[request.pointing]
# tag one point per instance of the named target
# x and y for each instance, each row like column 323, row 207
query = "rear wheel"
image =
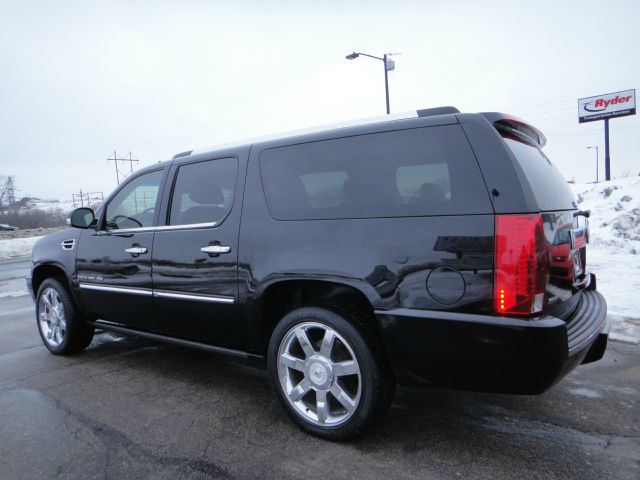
column 328, row 372
column 60, row 324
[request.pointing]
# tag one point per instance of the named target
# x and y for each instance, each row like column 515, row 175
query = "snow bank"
column 613, row 253
column 615, row 214
column 17, row 247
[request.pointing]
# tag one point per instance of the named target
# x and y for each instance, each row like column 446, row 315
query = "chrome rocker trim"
column 187, row 296
column 158, row 293
column 106, row 288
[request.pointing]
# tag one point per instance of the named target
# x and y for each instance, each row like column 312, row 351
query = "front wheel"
column 329, row 372
column 60, row 324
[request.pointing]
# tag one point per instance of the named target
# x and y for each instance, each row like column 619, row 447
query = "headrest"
column 205, row 193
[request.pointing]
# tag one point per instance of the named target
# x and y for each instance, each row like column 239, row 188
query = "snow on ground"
column 613, row 253
column 48, row 205
column 17, row 247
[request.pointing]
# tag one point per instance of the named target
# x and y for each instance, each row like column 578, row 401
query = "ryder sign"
column 609, row 105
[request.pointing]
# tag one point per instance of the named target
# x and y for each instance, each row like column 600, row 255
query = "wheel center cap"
column 320, row 374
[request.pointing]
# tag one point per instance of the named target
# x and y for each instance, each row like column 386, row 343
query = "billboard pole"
column 605, row 107
column 607, row 160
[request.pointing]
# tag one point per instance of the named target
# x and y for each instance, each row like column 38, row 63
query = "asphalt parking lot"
column 130, row 408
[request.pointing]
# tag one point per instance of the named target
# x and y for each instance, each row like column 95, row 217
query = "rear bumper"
column 493, row 354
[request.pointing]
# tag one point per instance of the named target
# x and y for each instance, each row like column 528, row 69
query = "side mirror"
column 82, row 218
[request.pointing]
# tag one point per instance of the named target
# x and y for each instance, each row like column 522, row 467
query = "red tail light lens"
column 521, row 264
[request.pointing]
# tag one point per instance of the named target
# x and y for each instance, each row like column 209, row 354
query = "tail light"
column 521, row 264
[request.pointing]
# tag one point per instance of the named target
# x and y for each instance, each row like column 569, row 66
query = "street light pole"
column 388, row 66
column 386, row 82
column 597, row 161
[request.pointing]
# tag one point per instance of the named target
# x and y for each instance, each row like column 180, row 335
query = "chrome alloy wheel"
column 53, row 324
column 319, row 374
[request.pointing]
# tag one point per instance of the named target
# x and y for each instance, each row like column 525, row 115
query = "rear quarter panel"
column 390, row 260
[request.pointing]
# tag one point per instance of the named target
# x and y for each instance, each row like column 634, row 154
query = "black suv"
column 432, row 248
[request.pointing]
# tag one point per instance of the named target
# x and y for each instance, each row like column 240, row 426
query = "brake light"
column 521, row 264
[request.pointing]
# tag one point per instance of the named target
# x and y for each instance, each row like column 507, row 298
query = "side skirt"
column 101, row 324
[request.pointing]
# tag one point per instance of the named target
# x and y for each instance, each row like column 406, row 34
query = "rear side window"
column 203, row 192
column 550, row 189
column 417, row 172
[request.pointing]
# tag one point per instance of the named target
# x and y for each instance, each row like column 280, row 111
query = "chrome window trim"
column 109, row 288
column 187, row 296
column 187, row 225
column 160, row 228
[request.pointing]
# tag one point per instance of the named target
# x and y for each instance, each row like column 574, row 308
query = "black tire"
column 77, row 334
column 377, row 384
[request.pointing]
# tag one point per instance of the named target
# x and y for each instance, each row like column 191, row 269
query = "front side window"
column 134, row 206
column 203, row 192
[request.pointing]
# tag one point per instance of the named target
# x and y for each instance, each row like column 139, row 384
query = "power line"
column 86, row 198
column 117, row 158
column 588, row 132
column 542, row 104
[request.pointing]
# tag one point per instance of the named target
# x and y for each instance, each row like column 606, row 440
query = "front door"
column 195, row 254
column 113, row 263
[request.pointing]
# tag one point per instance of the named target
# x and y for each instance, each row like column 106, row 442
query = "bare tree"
column 4, row 188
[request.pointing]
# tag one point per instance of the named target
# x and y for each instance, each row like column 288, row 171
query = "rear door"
column 196, row 252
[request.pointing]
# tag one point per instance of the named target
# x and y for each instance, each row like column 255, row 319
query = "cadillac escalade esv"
column 441, row 247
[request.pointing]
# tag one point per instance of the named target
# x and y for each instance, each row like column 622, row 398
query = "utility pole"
column 86, row 198
column 11, row 191
column 115, row 158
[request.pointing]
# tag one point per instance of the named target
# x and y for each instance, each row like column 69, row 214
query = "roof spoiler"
column 516, row 125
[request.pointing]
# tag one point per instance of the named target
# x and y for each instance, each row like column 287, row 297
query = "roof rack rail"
column 425, row 112
column 431, row 112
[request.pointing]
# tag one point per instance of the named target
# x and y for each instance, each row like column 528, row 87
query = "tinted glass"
column 549, row 186
column 134, row 206
column 417, row 172
column 203, row 192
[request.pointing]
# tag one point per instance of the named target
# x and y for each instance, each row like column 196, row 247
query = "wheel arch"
column 48, row 270
column 278, row 297
column 56, row 270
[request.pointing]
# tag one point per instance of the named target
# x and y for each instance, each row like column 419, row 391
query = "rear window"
column 417, row 172
column 549, row 187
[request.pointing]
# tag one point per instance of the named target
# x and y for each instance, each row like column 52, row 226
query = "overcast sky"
column 79, row 79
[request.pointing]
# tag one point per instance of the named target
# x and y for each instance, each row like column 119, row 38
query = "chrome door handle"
column 216, row 249
column 136, row 250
